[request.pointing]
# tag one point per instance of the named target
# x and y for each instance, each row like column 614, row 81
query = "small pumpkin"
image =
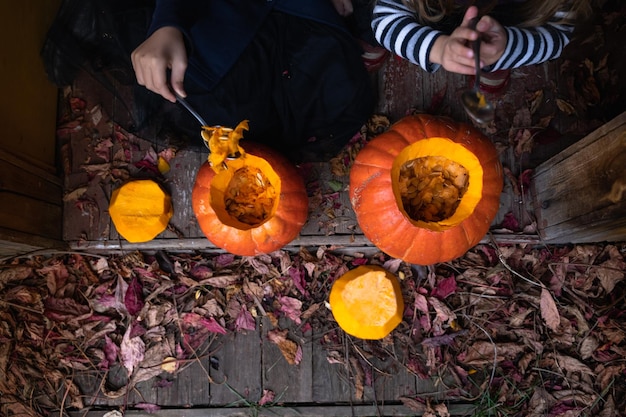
column 250, row 203
column 426, row 190
column 367, row 302
column 140, row 210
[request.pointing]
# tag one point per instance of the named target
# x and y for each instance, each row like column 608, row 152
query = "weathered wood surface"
column 391, row 410
column 580, row 193
column 236, row 369
column 31, row 206
column 402, row 88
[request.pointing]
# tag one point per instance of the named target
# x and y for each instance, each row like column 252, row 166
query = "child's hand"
column 343, row 7
column 163, row 50
column 454, row 52
column 493, row 40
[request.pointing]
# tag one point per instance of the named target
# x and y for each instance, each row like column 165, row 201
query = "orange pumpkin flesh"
column 367, row 302
column 442, row 155
column 140, row 210
column 257, row 204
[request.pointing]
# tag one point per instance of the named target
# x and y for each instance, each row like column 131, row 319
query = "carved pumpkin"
column 367, row 302
column 140, row 210
column 426, row 190
column 250, row 203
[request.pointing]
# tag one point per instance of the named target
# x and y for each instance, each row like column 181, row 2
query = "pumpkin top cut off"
column 367, row 302
column 140, row 210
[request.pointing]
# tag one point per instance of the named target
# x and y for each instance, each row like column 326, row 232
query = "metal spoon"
column 190, row 109
column 201, row 121
column 474, row 101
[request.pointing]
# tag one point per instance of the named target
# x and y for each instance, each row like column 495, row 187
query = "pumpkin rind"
column 377, row 210
column 140, row 210
column 283, row 226
column 367, row 302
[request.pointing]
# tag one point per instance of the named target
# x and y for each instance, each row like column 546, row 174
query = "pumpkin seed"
column 431, row 187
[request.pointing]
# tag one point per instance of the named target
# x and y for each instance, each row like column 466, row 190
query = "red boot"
column 373, row 56
column 494, row 82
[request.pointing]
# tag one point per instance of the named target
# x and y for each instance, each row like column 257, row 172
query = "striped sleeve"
column 396, row 28
column 530, row 46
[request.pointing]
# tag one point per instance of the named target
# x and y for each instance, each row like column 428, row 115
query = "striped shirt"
column 396, row 28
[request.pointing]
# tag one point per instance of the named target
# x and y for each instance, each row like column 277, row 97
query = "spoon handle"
column 476, row 48
column 190, row 109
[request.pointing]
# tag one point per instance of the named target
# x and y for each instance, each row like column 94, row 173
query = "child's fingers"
column 470, row 13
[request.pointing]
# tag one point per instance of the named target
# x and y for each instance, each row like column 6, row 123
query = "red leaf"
column 510, row 222
column 445, row 287
column 133, row 300
column 297, row 275
column 244, row 320
column 291, row 307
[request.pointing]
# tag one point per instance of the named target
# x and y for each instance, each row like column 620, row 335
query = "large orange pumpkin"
column 256, row 203
column 426, row 190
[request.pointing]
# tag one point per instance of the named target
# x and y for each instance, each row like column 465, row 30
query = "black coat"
column 218, row 31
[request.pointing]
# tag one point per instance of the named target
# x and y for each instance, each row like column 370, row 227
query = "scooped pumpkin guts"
column 140, row 210
column 223, row 142
column 367, row 302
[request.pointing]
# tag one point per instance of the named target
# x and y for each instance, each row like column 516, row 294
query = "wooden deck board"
column 239, row 378
column 289, row 383
column 390, row 410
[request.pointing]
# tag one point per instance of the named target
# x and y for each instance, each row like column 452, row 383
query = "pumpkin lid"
column 367, row 302
column 140, row 210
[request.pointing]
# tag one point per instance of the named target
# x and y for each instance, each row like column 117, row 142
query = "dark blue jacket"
column 218, row 31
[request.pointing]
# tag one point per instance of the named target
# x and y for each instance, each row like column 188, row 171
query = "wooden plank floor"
column 403, row 88
column 248, row 362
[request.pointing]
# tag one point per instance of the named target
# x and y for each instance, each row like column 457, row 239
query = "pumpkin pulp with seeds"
column 249, row 196
column 431, row 187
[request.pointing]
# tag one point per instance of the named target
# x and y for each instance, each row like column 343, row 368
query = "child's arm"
column 165, row 48
column 397, row 29
column 530, row 46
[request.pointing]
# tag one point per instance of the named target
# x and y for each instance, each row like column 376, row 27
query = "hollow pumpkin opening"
column 437, row 183
column 246, row 194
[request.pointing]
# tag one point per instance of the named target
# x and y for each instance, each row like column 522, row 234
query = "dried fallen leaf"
column 535, row 100
column 441, row 410
column 169, row 364
column 132, row 351
column 549, row 311
column 268, row 397
column 290, row 349
column 588, row 347
column 483, row 352
column 414, row 404
column 565, row 107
